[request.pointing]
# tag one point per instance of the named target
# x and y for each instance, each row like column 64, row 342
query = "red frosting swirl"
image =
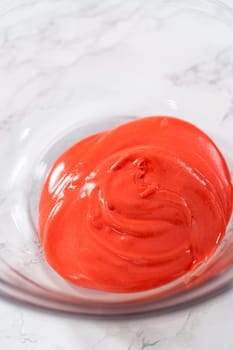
column 135, row 207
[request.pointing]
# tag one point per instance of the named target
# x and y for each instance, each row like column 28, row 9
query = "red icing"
column 135, row 207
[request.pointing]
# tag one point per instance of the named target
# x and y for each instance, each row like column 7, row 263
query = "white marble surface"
column 207, row 326
column 44, row 46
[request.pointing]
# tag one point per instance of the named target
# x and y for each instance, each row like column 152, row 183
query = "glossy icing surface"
column 135, row 207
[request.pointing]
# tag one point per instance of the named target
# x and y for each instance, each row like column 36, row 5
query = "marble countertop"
column 38, row 43
column 206, row 326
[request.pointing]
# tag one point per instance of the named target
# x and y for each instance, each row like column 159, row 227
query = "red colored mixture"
column 135, row 207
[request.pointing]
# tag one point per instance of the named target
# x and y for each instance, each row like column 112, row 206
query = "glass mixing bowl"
column 122, row 62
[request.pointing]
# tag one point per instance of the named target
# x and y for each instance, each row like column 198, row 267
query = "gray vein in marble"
column 212, row 72
column 16, row 332
column 146, row 344
column 142, row 342
column 184, row 326
column 140, row 339
column 217, row 72
column 229, row 112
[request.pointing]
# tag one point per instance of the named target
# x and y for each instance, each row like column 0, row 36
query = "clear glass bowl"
column 153, row 58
